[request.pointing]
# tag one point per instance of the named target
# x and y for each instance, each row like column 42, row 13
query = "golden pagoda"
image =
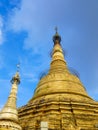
column 60, row 101
column 9, row 114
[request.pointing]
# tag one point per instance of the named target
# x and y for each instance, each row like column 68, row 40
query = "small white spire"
column 9, row 112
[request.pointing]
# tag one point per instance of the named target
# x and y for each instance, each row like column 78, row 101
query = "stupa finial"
column 16, row 77
column 56, row 37
column 18, row 67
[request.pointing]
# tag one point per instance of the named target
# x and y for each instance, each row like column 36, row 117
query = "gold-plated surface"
column 5, row 129
column 9, row 114
column 60, row 99
column 60, row 81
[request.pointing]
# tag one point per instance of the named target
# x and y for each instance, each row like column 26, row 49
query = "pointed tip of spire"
column 16, row 77
column 56, row 29
column 56, row 37
column 18, row 67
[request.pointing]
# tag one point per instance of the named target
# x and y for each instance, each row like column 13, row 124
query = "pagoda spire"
column 59, row 80
column 9, row 113
column 58, row 60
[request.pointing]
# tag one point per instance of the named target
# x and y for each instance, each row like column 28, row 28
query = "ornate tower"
column 9, row 114
column 60, row 100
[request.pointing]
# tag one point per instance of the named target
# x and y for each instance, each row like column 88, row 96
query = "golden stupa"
column 60, row 101
column 9, row 114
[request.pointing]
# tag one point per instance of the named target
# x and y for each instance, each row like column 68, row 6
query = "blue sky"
column 26, row 30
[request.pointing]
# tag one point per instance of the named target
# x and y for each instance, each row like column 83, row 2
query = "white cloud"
column 22, row 19
column 33, row 19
